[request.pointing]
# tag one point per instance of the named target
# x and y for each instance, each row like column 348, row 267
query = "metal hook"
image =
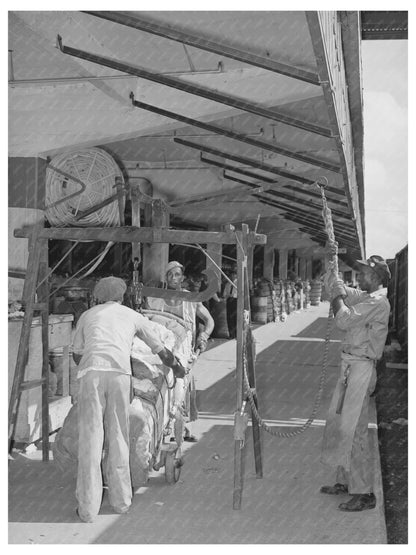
column 322, row 185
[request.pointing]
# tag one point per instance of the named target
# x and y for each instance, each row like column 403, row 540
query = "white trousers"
column 103, row 415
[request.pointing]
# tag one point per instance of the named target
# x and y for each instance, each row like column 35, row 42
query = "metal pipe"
column 222, row 49
column 215, row 129
column 247, row 161
column 298, row 190
column 308, row 220
column 310, row 217
column 65, row 80
column 307, row 203
column 256, row 175
column 196, row 90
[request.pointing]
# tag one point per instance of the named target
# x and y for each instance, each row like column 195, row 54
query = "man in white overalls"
column 364, row 316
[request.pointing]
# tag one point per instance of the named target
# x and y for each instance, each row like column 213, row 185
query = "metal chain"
column 333, row 266
column 322, row 381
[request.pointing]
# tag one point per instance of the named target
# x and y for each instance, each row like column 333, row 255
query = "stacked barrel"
column 306, row 294
column 259, row 302
column 316, row 292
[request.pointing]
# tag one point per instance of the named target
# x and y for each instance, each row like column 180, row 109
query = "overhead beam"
column 311, row 195
column 138, row 235
column 196, row 90
column 303, row 218
column 169, row 32
column 311, row 205
column 258, row 143
column 247, row 173
column 235, row 191
column 247, row 161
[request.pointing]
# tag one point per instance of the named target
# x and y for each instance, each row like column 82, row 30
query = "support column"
column 250, row 253
column 268, row 262
column 296, row 265
column 309, row 268
column 156, row 255
column 283, row 263
column 214, row 250
column 138, row 187
column 302, row 268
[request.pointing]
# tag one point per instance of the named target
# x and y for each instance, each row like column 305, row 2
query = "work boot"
column 359, row 502
column 121, row 511
column 335, row 489
column 189, row 437
column 84, row 517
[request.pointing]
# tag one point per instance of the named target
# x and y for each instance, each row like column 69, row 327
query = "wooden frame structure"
column 36, row 274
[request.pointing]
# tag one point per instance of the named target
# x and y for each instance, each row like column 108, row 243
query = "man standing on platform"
column 186, row 310
column 364, row 316
column 101, row 347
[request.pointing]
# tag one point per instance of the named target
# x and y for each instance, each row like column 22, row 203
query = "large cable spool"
column 78, row 181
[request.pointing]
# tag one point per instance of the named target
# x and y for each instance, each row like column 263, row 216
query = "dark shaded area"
column 392, row 405
column 318, row 330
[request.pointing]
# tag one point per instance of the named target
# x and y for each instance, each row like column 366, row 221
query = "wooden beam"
column 139, row 234
column 220, row 48
column 258, row 143
column 197, row 90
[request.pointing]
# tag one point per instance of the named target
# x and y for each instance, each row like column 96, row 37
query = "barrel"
column 259, row 309
column 218, row 312
column 306, row 294
column 316, row 291
column 270, row 310
column 263, row 288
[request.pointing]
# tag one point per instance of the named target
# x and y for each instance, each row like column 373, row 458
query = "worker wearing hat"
column 101, row 347
column 364, row 316
column 187, row 311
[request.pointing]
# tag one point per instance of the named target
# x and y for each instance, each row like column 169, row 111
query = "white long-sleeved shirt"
column 104, row 336
column 365, row 321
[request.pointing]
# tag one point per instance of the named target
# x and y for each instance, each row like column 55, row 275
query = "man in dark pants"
column 364, row 315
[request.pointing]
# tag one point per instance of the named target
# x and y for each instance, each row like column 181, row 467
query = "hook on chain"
column 321, row 185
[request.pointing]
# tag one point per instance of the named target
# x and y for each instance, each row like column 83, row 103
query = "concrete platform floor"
column 283, row 507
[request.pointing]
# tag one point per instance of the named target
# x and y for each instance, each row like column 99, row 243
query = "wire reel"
column 78, row 181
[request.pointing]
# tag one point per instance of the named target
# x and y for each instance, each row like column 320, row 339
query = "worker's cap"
column 379, row 265
column 173, row 264
column 109, row 289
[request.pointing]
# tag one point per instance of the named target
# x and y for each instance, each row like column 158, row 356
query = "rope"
column 198, row 247
column 58, row 264
column 96, row 171
column 78, row 272
column 333, row 266
column 329, row 228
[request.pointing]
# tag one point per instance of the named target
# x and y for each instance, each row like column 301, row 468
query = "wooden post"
column 283, row 263
column 302, row 267
column 135, row 217
column 268, row 262
column 156, row 256
column 43, row 292
column 239, row 451
column 28, row 299
column 250, row 254
column 250, row 352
